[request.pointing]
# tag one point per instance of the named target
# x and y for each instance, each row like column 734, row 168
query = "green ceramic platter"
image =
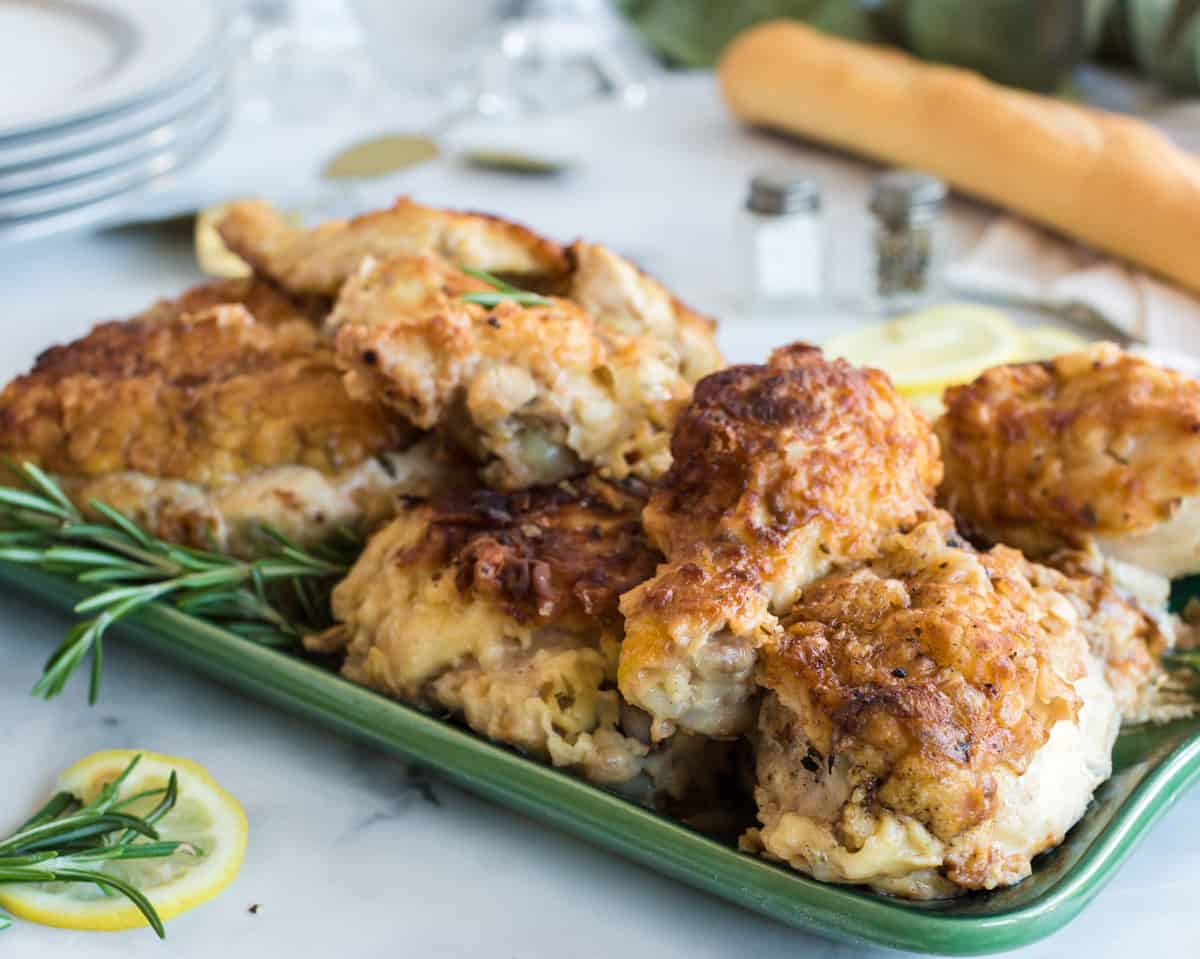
column 1153, row 766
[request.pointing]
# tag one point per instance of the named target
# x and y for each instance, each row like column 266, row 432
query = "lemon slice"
column 214, row 257
column 926, row 351
column 1045, row 342
column 204, row 815
column 930, row 403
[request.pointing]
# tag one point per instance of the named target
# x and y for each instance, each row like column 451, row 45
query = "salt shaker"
column 906, row 241
column 783, row 243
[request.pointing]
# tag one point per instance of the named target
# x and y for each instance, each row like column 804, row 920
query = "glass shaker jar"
column 906, row 239
column 783, row 244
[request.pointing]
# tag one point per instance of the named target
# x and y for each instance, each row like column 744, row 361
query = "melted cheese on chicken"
column 502, row 609
column 780, row 473
column 1097, row 448
column 535, row 394
column 204, row 425
column 936, row 719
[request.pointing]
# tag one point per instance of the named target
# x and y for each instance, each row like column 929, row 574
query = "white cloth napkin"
column 1015, row 260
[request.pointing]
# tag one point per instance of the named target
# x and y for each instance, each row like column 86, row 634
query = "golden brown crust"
column 535, row 393
column 203, row 427
column 1119, row 630
column 502, row 609
column 1092, row 444
column 763, row 450
column 204, row 398
column 267, row 303
column 318, row 261
column 402, row 289
column 938, row 662
column 550, row 556
column 780, row 472
column 934, row 720
column 622, row 298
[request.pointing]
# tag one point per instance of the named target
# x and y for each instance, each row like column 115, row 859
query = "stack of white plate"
column 102, row 101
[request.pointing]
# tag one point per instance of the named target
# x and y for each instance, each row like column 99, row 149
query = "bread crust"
column 1109, row 180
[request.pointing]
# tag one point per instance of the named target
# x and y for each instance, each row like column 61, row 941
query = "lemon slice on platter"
column 929, row 350
column 205, row 817
column 213, row 256
column 1046, row 342
column 928, row 402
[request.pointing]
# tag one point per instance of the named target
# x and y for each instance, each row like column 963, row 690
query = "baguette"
column 1111, row 181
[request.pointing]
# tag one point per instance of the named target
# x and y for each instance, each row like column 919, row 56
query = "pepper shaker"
column 906, row 241
column 783, row 243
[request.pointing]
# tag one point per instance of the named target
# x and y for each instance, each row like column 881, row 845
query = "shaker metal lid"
column 779, row 193
column 906, row 196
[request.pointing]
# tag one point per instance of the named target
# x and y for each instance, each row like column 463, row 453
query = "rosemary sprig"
column 273, row 600
column 65, row 840
column 504, row 291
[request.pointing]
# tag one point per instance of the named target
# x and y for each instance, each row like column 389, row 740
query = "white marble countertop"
column 351, row 854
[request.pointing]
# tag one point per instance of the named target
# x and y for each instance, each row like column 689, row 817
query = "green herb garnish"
column 65, row 839
column 275, row 600
column 504, row 291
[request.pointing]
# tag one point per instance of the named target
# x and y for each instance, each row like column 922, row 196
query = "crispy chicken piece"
column 1125, row 633
column 268, row 304
column 316, row 262
column 935, row 719
column 780, row 473
column 621, row 297
column 430, row 245
column 202, row 426
column 533, row 393
column 1096, row 449
column 502, row 609
column 402, row 289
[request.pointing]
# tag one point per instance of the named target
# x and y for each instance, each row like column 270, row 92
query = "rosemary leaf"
column 65, row 839
column 495, row 299
column 275, row 599
column 504, row 292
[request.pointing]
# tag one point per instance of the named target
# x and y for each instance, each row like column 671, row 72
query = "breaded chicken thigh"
column 430, row 246
column 535, row 394
column 934, row 720
column 317, row 261
column 205, row 425
column 1097, row 449
column 622, row 298
column 780, row 473
column 502, row 609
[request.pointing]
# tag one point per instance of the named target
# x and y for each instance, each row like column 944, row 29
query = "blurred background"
column 594, row 117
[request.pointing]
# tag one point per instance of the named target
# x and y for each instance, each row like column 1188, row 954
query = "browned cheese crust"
column 551, row 556
column 202, row 399
column 1091, row 444
column 267, row 303
column 402, row 289
column 502, row 609
column 318, row 261
column 908, row 699
column 534, row 394
column 780, row 473
column 621, row 298
column 762, row 451
column 196, row 422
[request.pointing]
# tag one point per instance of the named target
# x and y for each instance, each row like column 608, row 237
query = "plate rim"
column 81, row 138
column 165, row 78
column 173, row 133
column 106, row 208
column 97, row 186
column 648, row 838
